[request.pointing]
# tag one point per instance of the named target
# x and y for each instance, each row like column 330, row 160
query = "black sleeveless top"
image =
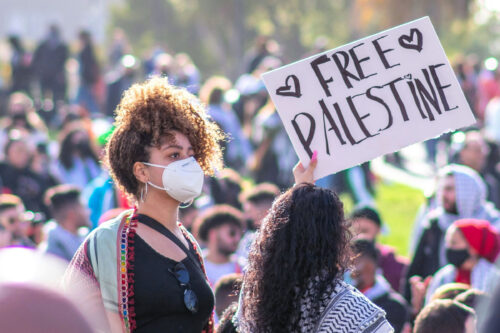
column 159, row 298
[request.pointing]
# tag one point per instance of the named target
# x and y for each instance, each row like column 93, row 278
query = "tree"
column 216, row 33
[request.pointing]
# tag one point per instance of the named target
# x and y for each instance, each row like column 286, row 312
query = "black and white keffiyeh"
column 343, row 309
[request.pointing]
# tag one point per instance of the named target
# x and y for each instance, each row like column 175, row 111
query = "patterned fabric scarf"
column 342, row 309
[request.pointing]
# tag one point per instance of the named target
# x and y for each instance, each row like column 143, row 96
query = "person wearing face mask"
column 461, row 194
column 148, row 267
column 471, row 249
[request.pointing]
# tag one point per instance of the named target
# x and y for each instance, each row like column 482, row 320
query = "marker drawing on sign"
column 368, row 98
column 288, row 90
column 413, row 41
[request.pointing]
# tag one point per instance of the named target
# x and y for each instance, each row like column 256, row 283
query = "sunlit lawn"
column 398, row 205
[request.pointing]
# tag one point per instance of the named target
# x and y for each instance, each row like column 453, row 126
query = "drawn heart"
column 407, row 77
column 408, row 42
column 288, row 90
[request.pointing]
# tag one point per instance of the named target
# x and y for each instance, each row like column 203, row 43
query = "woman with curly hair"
column 294, row 281
column 147, row 266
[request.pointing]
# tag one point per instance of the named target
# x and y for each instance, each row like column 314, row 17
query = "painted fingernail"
column 315, row 155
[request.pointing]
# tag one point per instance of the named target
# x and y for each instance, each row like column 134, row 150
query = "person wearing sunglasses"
column 148, row 267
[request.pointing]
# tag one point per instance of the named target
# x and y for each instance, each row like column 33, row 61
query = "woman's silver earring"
column 143, row 195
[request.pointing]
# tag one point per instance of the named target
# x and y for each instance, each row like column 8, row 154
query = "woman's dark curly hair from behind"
column 304, row 236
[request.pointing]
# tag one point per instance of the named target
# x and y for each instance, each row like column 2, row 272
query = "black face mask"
column 457, row 257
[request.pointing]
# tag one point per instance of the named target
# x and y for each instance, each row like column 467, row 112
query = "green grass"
column 398, row 206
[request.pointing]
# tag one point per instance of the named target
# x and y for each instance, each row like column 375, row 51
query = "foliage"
column 216, row 33
column 398, row 206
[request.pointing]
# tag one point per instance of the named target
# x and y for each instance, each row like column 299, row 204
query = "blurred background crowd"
column 58, row 94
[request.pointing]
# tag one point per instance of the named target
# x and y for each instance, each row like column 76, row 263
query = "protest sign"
column 368, row 98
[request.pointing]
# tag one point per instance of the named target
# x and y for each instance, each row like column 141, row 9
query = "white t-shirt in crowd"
column 216, row 271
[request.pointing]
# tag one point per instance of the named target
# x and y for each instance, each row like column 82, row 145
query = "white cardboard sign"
column 368, row 98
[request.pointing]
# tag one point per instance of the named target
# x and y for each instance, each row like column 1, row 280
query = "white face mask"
column 182, row 180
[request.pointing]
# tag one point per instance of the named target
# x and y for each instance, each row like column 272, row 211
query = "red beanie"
column 481, row 236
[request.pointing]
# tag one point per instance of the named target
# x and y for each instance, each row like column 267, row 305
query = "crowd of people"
column 175, row 200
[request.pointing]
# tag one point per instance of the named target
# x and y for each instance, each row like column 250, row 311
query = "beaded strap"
column 126, row 274
column 127, row 258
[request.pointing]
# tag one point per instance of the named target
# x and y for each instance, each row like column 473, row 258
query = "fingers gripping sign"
column 306, row 175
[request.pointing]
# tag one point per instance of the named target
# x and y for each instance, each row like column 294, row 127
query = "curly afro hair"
column 148, row 114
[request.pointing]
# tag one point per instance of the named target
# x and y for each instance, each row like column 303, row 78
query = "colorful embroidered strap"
column 126, row 272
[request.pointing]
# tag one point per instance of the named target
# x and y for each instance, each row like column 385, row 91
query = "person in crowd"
column 263, row 47
column 253, row 94
column 488, row 88
column 473, row 152
column 49, row 60
column 89, row 74
column 21, row 117
column 186, row 74
column 13, row 221
column 64, row 233
column 102, row 194
column 492, row 120
column 20, row 63
column 17, row 176
column 256, row 204
column 238, row 149
column 158, row 154
column 467, row 77
column 472, row 247
column 220, row 228
column 119, row 79
column 78, row 161
column 119, row 47
column 461, row 194
column 375, row 287
column 227, row 290
column 445, row 316
column 294, row 278
column 274, row 156
column 366, row 223
column 164, row 66
column 226, row 188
